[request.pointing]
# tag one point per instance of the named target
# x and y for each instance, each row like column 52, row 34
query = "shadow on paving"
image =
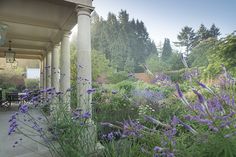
column 25, row 148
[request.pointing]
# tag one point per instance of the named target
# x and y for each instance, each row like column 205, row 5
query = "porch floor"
column 25, row 148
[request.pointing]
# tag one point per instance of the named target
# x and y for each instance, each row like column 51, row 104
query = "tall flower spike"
column 200, row 96
column 90, row 91
column 157, row 149
column 201, row 84
column 24, row 108
column 180, row 93
column 187, row 127
column 205, row 87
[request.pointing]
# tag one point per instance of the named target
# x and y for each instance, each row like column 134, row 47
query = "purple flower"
column 24, row 108
column 86, row 115
column 180, row 93
column 187, row 127
column 110, row 136
column 174, row 121
column 214, row 129
column 201, row 84
column 114, row 92
column 132, row 128
column 200, row 96
column 233, row 101
column 49, row 89
column 157, row 149
column 90, row 91
column 188, row 117
column 170, row 154
column 170, row 133
column 12, row 126
column 80, row 66
column 205, row 121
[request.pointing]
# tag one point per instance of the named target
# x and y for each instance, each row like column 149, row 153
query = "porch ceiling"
column 34, row 25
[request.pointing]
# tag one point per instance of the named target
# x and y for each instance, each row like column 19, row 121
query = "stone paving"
column 26, row 148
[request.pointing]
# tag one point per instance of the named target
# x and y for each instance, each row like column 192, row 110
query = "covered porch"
column 40, row 30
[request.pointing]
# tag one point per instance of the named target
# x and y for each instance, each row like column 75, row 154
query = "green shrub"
column 10, row 80
column 118, row 77
column 32, row 84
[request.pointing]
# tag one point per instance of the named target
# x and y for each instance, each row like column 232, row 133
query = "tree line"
column 125, row 43
column 190, row 38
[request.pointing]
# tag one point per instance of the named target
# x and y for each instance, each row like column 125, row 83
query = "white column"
column 84, row 72
column 41, row 83
column 55, row 72
column 84, row 58
column 65, row 66
column 44, row 71
column 48, row 69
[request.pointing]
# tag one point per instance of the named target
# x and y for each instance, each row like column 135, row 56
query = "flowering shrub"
column 162, row 79
column 214, row 117
column 205, row 127
column 192, row 73
column 62, row 132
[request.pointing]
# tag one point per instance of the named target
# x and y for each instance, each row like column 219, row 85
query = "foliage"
column 118, row 77
column 186, row 38
column 10, row 80
column 203, row 33
column 199, row 55
column 100, row 65
column 129, row 65
column 223, row 53
column 125, row 86
column 65, row 134
column 32, row 84
column 109, row 106
column 122, row 148
column 214, row 31
column 155, row 64
column 189, row 38
column 175, row 62
column 166, row 50
column 176, row 75
column 73, row 67
column 122, row 40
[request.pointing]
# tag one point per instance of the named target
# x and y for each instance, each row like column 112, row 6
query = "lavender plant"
column 59, row 130
column 162, row 79
column 214, row 116
column 206, row 129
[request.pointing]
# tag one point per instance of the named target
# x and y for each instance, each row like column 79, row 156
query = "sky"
column 166, row 18
column 33, row 73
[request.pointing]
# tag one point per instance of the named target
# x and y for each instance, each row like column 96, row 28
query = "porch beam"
column 28, row 38
column 30, row 22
